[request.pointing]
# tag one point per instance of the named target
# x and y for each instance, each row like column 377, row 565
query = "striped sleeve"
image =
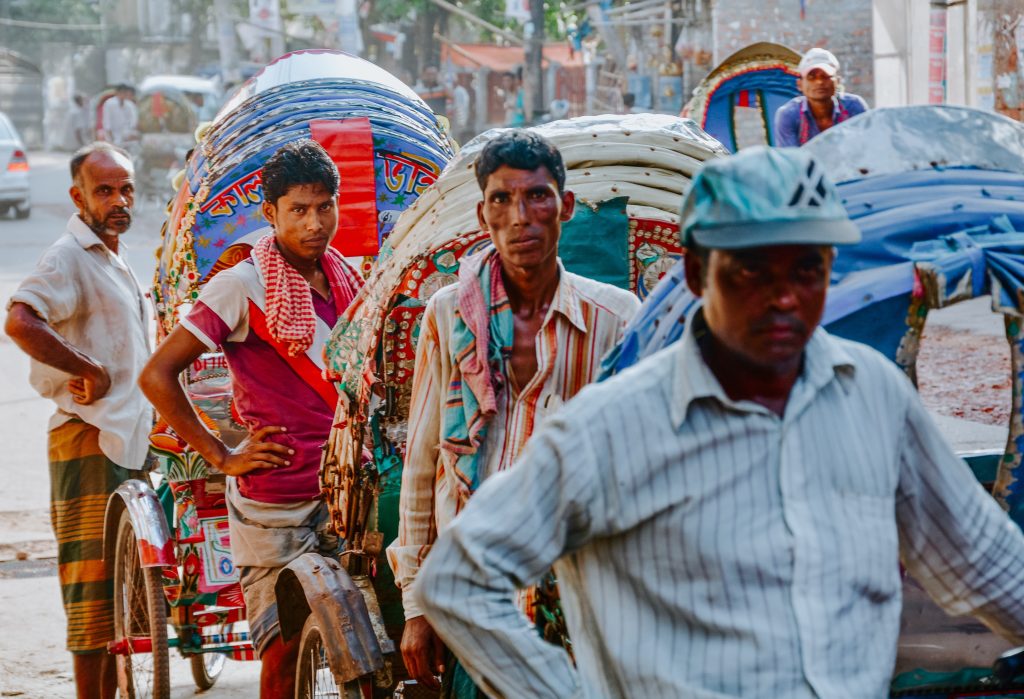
column 416, row 526
column 222, row 312
column 955, row 539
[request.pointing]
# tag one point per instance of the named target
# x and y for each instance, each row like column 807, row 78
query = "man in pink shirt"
column 271, row 315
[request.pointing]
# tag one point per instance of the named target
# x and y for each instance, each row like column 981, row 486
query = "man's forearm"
column 478, row 619
column 163, row 389
column 41, row 342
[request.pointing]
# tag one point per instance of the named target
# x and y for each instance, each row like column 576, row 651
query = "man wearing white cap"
column 727, row 517
column 819, row 107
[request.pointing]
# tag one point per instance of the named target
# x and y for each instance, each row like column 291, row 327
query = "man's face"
column 304, row 220
column 105, row 193
column 523, row 212
column 763, row 304
column 817, row 85
column 430, row 76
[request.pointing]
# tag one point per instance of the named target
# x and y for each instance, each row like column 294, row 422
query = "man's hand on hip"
column 256, row 452
column 423, row 652
column 90, row 387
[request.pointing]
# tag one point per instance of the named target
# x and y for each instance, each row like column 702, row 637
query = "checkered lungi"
column 81, row 480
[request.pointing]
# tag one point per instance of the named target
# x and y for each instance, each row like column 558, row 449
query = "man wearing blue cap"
column 727, row 517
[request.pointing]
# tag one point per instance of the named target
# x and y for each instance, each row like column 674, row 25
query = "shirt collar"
column 824, row 360
column 566, row 300
column 805, row 105
column 82, row 234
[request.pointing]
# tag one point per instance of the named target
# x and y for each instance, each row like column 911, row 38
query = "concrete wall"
column 1001, row 22
column 844, row 27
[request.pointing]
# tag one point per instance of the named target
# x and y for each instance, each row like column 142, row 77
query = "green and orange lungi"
column 81, row 480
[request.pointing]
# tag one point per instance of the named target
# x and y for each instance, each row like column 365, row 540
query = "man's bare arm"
column 160, row 382
column 89, row 379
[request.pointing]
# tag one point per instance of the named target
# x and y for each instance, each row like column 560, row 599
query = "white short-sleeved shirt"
column 119, row 120
column 90, row 297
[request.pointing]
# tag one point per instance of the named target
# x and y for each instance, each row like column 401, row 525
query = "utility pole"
column 534, row 78
column 227, row 43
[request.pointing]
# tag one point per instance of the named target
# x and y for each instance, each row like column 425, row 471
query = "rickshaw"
column 167, row 126
column 169, row 546
column 628, row 173
column 938, row 193
column 736, row 102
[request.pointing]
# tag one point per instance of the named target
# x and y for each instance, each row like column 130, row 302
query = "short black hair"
column 520, row 149
column 82, row 154
column 300, row 162
column 628, row 99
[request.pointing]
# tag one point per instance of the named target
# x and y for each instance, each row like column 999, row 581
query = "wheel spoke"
column 139, row 623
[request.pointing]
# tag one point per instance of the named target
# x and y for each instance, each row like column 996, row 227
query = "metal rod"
column 476, row 20
column 633, row 7
column 49, row 25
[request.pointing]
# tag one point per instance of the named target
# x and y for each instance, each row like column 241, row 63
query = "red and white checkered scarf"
column 291, row 318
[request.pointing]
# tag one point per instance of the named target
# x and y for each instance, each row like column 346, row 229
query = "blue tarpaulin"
column 930, row 238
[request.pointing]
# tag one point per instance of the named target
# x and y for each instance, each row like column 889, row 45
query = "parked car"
column 14, row 186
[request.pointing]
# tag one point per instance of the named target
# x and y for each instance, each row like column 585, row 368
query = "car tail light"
column 18, row 163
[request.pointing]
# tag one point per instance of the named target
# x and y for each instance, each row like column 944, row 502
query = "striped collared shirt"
column 584, row 321
column 709, row 548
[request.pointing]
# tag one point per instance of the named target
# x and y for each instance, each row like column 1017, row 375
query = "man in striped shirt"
column 727, row 517
column 545, row 331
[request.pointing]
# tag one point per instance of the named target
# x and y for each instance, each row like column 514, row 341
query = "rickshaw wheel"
column 140, row 611
column 206, row 668
column 313, row 676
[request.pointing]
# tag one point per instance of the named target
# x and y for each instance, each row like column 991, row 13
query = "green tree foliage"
column 66, row 13
column 492, row 11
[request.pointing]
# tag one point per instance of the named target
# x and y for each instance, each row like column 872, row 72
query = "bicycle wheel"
column 313, row 677
column 206, row 668
column 140, row 614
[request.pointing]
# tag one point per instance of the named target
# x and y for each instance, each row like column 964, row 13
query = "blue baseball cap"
column 764, row 196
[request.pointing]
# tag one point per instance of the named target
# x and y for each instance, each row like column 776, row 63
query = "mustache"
column 775, row 320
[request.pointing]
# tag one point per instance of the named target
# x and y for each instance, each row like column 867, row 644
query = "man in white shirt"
column 120, row 117
column 727, row 517
column 83, row 320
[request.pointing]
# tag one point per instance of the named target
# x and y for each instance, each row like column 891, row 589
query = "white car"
column 14, row 185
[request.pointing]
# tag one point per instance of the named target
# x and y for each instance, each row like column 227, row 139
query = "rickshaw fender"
column 156, row 548
column 345, row 607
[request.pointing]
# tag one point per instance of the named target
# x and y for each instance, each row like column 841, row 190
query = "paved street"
column 33, row 662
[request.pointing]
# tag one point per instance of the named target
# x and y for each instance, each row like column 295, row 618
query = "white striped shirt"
column 709, row 548
column 584, row 321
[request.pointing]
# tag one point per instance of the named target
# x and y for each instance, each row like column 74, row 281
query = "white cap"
column 818, row 58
